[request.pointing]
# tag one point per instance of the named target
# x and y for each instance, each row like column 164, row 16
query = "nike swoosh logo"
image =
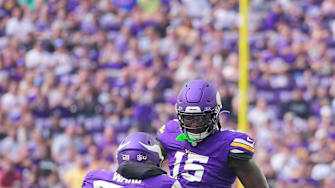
column 121, row 146
column 154, row 148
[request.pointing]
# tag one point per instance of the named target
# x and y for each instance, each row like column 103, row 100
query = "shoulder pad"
column 241, row 146
column 168, row 133
column 171, row 126
column 98, row 174
column 91, row 174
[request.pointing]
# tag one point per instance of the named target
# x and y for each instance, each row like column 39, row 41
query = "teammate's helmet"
column 198, row 107
column 140, row 147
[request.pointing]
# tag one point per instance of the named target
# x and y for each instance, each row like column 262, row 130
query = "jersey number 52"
column 190, row 166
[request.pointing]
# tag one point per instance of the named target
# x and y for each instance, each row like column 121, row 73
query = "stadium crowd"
column 77, row 76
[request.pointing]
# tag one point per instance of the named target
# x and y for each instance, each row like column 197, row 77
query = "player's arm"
column 241, row 151
column 248, row 172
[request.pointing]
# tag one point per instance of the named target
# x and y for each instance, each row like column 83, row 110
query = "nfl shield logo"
column 125, row 157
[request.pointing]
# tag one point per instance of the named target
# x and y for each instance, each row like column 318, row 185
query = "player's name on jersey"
column 118, row 178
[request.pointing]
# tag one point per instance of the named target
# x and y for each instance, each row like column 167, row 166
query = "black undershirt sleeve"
column 240, row 156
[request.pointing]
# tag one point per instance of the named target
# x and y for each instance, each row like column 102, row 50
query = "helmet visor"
column 196, row 123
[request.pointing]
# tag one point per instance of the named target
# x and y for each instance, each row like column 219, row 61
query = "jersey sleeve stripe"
column 239, row 140
column 242, row 146
column 236, row 151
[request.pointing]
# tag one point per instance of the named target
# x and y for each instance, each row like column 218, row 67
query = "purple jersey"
column 205, row 165
column 108, row 179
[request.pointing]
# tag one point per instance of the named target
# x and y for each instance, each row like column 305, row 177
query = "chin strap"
column 184, row 137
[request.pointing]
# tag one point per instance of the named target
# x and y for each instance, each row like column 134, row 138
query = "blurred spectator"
column 107, row 144
column 94, row 158
column 298, row 105
column 259, row 115
column 9, row 176
column 36, row 57
column 62, row 143
column 19, row 25
column 54, row 180
column 75, row 176
column 126, row 5
column 10, row 145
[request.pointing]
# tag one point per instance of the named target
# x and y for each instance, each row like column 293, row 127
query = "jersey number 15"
column 190, row 166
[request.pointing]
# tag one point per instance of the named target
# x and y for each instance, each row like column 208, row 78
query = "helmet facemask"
column 198, row 125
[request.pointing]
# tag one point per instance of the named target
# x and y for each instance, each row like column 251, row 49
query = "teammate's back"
column 102, row 178
column 140, row 158
column 108, row 179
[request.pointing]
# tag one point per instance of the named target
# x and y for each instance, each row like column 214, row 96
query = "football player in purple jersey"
column 139, row 156
column 200, row 154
